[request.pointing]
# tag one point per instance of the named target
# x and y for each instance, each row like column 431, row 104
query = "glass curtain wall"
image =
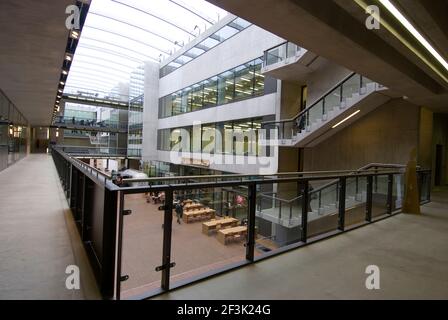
column 135, row 128
column 242, row 82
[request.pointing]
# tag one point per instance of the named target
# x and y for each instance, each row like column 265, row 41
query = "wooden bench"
column 225, row 235
column 218, row 224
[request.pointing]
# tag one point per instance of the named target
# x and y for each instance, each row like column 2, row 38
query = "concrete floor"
column 411, row 252
column 38, row 239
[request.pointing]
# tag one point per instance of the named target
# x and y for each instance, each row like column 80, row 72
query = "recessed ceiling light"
column 68, row 58
column 399, row 16
column 64, row 72
column 340, row 122
column 62, row 83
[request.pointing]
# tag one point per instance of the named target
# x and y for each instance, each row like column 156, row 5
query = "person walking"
column 179, row 211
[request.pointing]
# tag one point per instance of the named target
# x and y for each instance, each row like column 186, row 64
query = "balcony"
column 288, row 61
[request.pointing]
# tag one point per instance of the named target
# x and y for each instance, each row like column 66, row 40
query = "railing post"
column 369, row 198
column 390, row 181
column 341, row 212
column 279, row 210
column 305, row 197
column 119, row 246
column 167, row 233
column 250, row 245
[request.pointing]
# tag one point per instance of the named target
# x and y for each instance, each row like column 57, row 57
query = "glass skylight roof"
column 119, row 35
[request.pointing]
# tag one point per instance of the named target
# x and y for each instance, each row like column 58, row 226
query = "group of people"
column 155, row 197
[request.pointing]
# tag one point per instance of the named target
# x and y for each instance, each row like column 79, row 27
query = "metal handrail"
column 320, row 188
column 301, row 113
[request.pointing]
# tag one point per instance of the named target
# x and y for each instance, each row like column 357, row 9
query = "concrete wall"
column 425, row 150
column 290, row 99
column 241, row 48
column 385, row 135
column 324, row 79
column 150, row 111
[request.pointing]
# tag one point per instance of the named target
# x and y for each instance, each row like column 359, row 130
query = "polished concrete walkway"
column 38, row 239
column 411, row 252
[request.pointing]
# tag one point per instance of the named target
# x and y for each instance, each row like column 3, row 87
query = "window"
column 259, row 78
column 244, row 81
column 208, row 138
column 239, row 83
column 210, row 92
column 196, row 97
column 226, row 87
column 224, row 34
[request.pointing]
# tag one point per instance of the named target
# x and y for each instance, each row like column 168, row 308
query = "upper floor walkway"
column 411, row 252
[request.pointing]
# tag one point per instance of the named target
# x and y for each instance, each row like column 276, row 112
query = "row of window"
column 242, row 82
column 233, row 138
column 212, row 41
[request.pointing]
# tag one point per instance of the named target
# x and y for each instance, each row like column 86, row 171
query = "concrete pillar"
column 150, row 111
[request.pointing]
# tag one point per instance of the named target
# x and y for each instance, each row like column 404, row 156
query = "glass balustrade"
column 319, row 111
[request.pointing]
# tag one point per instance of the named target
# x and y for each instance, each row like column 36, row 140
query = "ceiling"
column 336, row 30
column 120, row 35
column 33, row 39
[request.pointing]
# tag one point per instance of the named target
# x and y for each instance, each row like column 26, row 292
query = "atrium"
column 211, row 149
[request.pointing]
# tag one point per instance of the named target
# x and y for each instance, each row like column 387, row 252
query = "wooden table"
column 224, row 234
column 218, row 224
column 201, row 213
column 192, row 206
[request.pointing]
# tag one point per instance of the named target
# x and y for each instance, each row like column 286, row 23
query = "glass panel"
column 398, row 192
column 323, row 207
column 242, row 23
column 259, row 78
column 226, row 87
column 379, row 196
column 186, row 101
column 209, row 43
column 333, row 100
column 209, row 231
column 315, row 113
column 291, row 50
column 278, row 217
column 244, row 81
column 176, row 104
column 275, row 55
column 196, row 97
column 225, row 33
column 355, row 200
column 210, row 92
column 351, row 86
column 142, row 244
column 208, row 139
